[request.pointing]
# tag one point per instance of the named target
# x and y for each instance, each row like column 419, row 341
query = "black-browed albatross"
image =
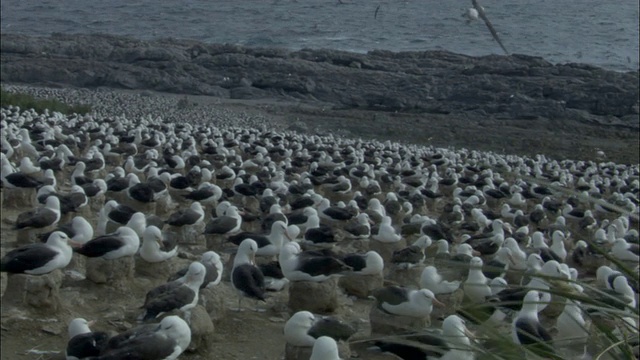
column 39, row 258
column 182, row 297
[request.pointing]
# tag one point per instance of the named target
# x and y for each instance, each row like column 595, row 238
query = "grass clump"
column 26, row 101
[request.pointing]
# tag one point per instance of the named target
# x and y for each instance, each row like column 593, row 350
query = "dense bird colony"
column 542, row 252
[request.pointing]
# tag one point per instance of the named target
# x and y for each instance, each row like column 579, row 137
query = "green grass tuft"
column 26, row 101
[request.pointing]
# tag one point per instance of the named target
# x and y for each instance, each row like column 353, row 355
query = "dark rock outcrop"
column 437, row 82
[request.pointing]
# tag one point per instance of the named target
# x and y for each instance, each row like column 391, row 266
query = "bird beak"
column 286, row 233
column 512, row 260
column 91, row 323
column 74, row 244
column 507, row 227
column 469, row 333
column 476, row 253
column 438, row 303
column 371, row 222
column 190, row 277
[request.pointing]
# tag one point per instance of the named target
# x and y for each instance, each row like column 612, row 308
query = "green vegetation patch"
column 26, row 101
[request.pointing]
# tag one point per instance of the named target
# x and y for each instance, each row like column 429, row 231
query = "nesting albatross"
column 122, row 242
column 304, row 328
column 325, row 348
column 152, row 249
column 369, row 263
column 527, row 330
column 397, row 300
column 40, row 217
column 166, row 341
column 182, row 297
column 298, row 266
column 454, row 344
column 83, row 342
column 213, row 264
column 246, row 277
column 38, row 259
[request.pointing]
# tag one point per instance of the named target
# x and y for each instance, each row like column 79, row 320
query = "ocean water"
column 602, row 33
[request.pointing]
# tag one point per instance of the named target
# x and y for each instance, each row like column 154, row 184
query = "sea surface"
column 597, row 32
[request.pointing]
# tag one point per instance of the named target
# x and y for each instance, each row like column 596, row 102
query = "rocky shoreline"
column 514, row 104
